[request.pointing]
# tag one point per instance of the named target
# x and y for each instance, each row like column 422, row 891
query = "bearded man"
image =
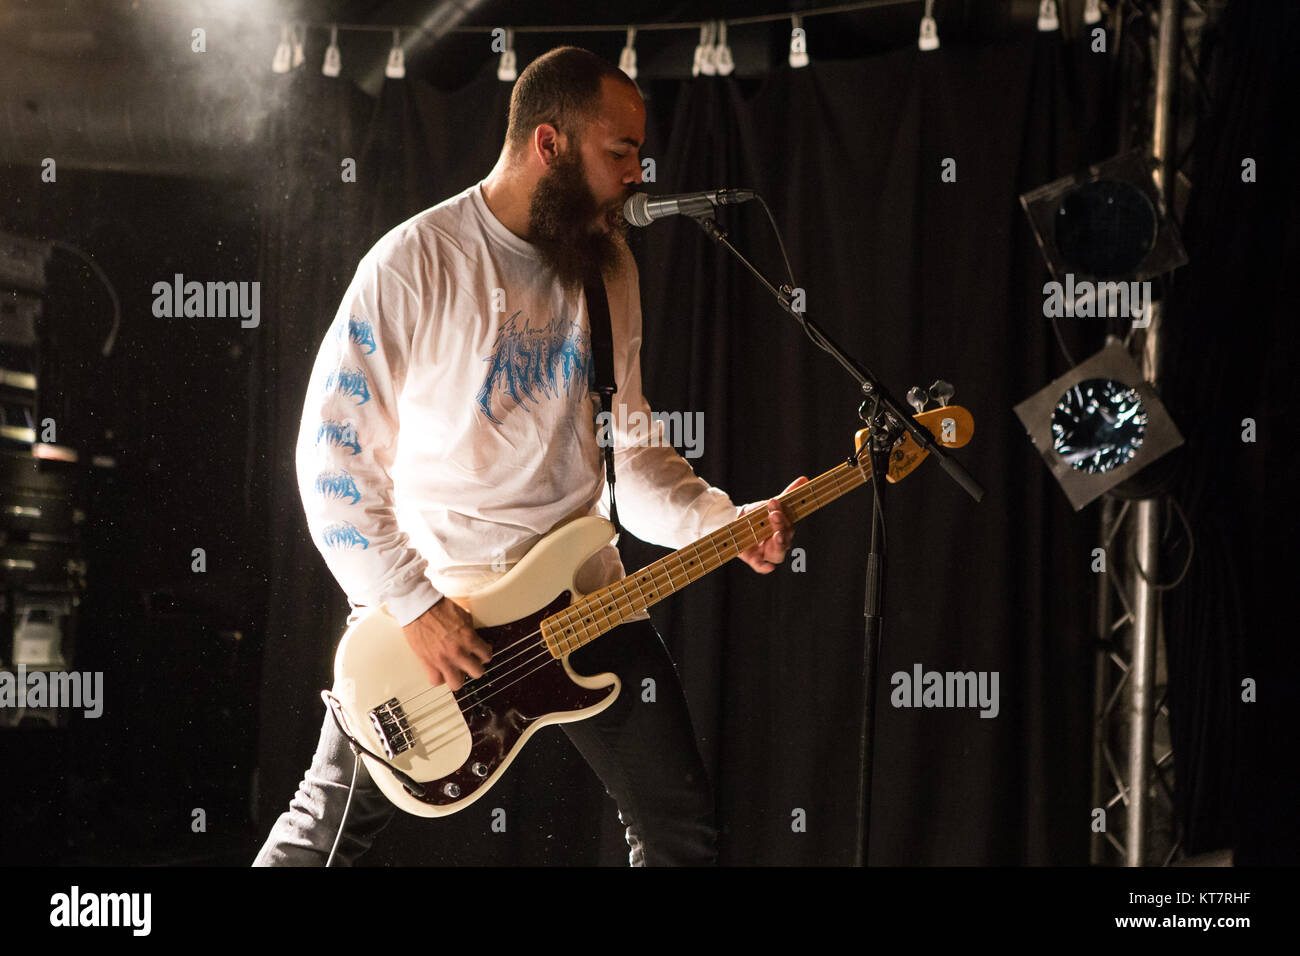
column 465, row 330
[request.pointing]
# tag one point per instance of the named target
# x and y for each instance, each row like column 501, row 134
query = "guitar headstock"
column 951, row 426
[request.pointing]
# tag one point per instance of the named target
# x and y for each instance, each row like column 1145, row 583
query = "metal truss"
column 1133, row 758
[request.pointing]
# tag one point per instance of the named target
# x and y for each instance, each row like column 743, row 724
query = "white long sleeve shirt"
column 448, row 423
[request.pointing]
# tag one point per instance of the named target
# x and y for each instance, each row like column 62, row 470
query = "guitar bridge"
column 394, row 732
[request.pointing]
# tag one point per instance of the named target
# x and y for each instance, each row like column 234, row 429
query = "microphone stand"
column 887, row 422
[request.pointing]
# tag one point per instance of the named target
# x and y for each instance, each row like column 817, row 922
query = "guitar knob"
column 451, row 790
column 942, row 392
column 917, row 397
column 480, row 769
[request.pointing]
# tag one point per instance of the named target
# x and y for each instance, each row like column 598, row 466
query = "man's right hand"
column 444, row 640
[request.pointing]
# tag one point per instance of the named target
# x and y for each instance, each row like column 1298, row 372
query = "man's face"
column 575, row 216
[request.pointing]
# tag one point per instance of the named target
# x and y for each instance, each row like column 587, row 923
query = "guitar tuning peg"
column 917, row 397
column 942, row 392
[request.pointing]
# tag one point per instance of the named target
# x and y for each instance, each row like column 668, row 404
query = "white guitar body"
column 460, row 762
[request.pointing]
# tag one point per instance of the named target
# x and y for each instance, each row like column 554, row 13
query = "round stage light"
column 1098, row 425
column 1105, row 228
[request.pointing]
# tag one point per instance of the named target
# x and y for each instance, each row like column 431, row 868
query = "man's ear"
column 548, row 143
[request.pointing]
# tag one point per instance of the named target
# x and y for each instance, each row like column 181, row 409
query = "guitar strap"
column 602, row 355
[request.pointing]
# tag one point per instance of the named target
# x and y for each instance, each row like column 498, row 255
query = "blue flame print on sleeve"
column 360, row 332
column 340, row 434
column 343, row 535
column 349, row 381
column 553, row 360
column 337, row 484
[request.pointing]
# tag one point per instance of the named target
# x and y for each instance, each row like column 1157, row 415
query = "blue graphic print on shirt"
column 554, row 359
column 337, row 484
column 341, row 434
column 360, row 332
column 349, row 381
column 344, row 534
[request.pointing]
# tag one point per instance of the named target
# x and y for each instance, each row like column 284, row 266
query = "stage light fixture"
column 1098, row 425
column 1105, row 223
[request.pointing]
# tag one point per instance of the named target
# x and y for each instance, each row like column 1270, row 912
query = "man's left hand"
column 766, row 555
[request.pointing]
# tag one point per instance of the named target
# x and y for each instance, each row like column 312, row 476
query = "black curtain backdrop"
column 1233, row 344
column 919, row 278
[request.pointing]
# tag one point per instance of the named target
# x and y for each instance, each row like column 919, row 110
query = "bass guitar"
column 433, row 751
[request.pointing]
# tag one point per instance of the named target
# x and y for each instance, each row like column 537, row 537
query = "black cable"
column 877, row 513
column 414, row 787
column 107, row 348
column 1060, row 340
column 779, row 241
column 816, row 337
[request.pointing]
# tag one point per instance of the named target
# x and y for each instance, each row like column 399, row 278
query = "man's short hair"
column 560, row 87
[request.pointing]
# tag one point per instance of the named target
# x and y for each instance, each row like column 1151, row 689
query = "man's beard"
column 560, row 218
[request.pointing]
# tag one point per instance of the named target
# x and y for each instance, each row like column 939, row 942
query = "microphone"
column 641, row 209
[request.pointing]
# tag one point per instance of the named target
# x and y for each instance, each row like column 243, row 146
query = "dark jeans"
column 643, row 751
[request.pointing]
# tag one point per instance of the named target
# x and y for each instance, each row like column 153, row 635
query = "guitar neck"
column 603, row 610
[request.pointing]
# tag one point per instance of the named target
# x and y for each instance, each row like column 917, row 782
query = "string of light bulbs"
column 712, row 54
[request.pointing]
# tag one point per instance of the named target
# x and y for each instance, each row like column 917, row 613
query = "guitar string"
column 456, row 730
column 830, row 490
column 596, row 597
column 451, row 709
column 611, row 621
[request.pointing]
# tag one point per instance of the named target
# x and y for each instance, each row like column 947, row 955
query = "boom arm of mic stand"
column 867, row 381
